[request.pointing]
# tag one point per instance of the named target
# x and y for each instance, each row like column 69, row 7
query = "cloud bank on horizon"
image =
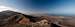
column 42, row 6
column 5, row 8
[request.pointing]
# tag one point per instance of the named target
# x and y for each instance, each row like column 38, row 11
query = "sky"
column 64, row 7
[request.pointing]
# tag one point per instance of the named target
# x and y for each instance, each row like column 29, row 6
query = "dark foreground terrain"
column 15, row 19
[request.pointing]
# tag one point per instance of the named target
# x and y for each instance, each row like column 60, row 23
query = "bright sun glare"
column 3, row 8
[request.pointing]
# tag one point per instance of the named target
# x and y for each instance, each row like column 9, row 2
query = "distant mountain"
column 48, row 14
column 60, row 15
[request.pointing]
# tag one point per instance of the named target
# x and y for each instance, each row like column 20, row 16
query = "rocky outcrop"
column 11, row 19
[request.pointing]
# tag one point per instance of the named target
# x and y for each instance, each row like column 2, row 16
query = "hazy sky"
column 42, row 6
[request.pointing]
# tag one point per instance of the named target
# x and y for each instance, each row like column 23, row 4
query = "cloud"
column 3, row 8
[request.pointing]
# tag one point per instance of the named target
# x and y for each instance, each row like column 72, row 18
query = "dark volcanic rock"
column 8, row 18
